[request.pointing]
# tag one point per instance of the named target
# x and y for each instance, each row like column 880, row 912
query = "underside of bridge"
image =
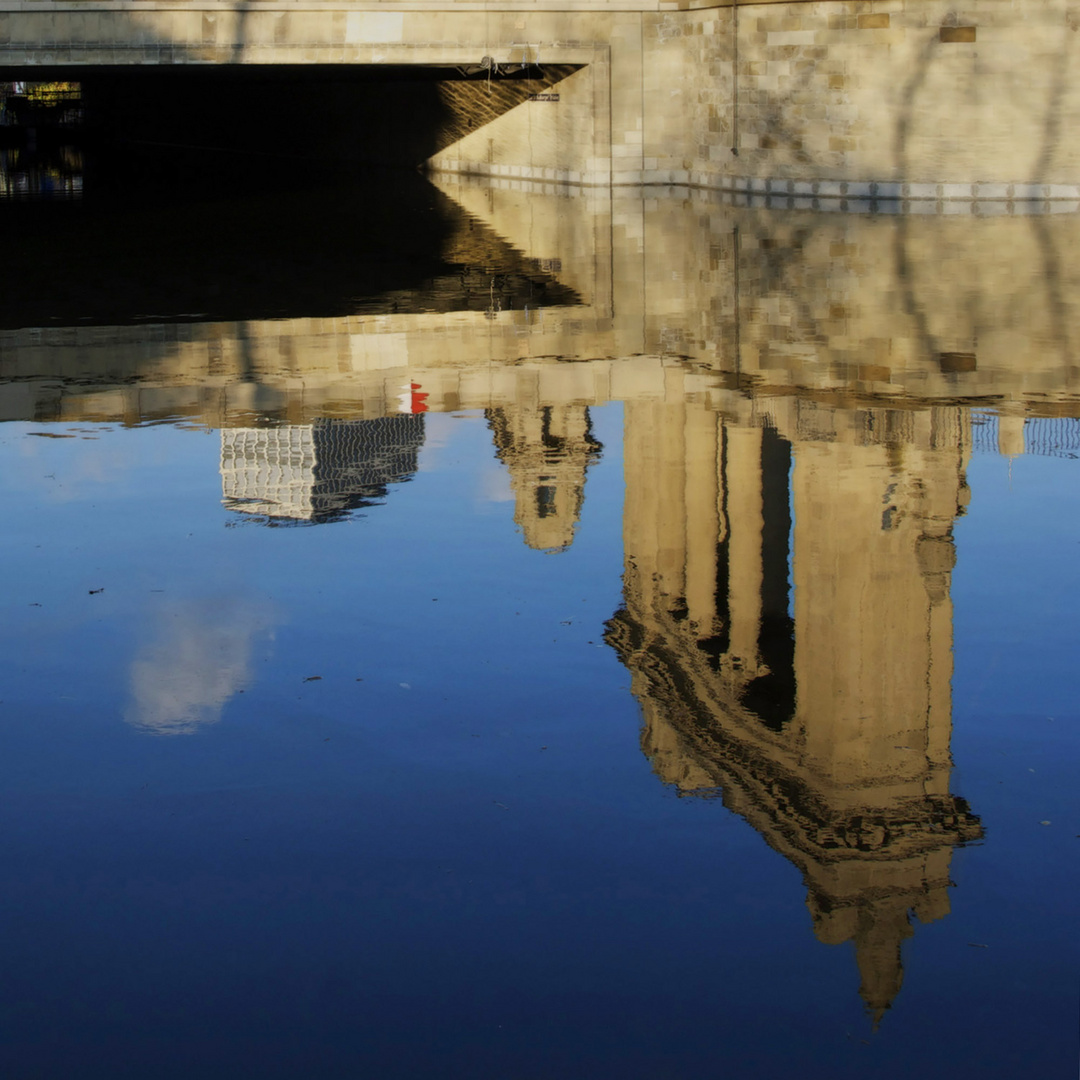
column 384, row 114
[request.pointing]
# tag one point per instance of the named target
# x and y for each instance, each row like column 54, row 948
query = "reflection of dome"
column 547, row 450
column 787, row 626
column 316, row 472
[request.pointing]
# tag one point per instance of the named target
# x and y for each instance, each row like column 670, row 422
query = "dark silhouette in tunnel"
column 386, row 115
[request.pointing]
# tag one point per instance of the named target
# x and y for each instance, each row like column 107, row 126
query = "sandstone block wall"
column 811, row 309
column 885, row 99
column 920, row 98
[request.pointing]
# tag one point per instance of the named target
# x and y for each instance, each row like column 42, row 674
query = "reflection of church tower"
column 547, row 449
column 316, row 472
column 824, row 722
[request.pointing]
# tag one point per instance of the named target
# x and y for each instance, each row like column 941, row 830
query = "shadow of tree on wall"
column 1052, row 269
column 774, row 111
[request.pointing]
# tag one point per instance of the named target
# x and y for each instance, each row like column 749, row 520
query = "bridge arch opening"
column 391, row 115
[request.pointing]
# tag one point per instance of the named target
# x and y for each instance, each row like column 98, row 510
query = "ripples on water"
column 699, row 595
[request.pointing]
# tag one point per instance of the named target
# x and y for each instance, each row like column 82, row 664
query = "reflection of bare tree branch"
column 777, row 268
column 1051, row 275
column 904, row 276
column 1051, row 137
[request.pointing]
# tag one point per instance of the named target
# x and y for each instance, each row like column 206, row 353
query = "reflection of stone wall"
column 854, row 307
column 872, row 306
column 788, row 628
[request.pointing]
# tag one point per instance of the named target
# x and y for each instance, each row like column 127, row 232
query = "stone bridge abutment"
column 857, row 99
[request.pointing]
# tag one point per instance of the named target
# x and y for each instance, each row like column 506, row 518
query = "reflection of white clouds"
column 71, row 462
column 440, row 428
column 197, row 655
column 441, row 432
column 495, row 485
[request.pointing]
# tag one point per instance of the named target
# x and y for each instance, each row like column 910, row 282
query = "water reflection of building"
column 547, row 450
column 53, row 173
column 788, row 627
column 317, row 472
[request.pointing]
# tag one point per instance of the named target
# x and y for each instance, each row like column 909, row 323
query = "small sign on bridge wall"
column 543, row 97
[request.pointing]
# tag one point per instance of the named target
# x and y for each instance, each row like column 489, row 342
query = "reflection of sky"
column 487, row 851
column 429, row 809
column 196, row 657
column 78, row 462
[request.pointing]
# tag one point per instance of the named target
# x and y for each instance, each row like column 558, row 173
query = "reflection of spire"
column 316, row 472
column 882, row 926
column 825, row 723
column 547, row 450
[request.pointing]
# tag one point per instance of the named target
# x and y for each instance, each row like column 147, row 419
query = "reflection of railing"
column 1044, row 436
column 984, row 432
column 1052, row 436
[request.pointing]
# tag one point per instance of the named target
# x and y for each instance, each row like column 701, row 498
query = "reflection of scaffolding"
column 269, row 471
column 316, row 472
column 788, row 628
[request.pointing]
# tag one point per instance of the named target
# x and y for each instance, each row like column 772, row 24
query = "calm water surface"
column 489, row 633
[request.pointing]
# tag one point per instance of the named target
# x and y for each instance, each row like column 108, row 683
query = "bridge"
column 886, row 100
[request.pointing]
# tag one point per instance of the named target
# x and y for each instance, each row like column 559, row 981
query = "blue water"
column 351, row 729
column 446, row 855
